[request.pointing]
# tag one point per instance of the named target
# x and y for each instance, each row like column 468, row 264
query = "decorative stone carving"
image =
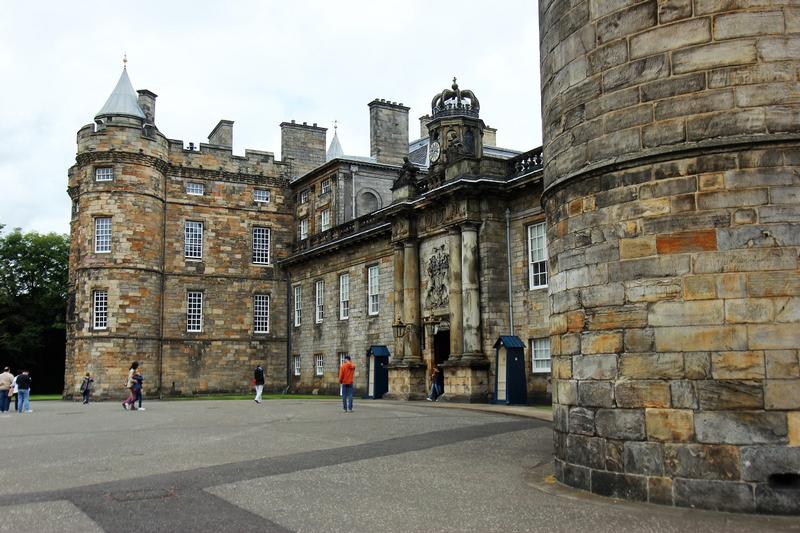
column 438, row 265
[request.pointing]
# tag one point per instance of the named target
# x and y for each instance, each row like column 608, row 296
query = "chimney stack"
column 147, row 103
column 388, row 131
column 222, row 134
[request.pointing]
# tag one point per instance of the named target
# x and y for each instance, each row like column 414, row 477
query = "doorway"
column 441, row 353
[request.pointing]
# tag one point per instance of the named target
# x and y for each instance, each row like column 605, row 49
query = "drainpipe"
column 289, row 322
column 163, row 289
column 353, row 171
column 508, row 257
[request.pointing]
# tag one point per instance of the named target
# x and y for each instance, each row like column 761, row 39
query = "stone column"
column 411, row 312
column 454, row 289
column 470, row 292
column 399, row 348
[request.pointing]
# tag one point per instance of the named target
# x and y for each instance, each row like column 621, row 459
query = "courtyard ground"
column 304, row 465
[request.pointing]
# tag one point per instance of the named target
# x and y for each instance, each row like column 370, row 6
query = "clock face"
column 435, row 151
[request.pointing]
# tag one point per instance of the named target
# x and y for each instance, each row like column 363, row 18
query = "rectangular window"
column 303, row 229
column 319, row 364
column 261, row 246
column 540, row 348
column 298, row 306
column 102, row 235
column 341, row 358
column 104, row 174
column 193, row 239
column 261, row 313
column 304, row 196
column 325, row 186
column 261, row 196
column 320, row 301
column 344, row 296
column 100, row 309
column 373, row 288
column 194, row 311
column 537, row 256
column 197, row 189
column 325, row 220
column 296, row 364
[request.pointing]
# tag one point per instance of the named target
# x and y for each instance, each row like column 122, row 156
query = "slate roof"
column 123, row 100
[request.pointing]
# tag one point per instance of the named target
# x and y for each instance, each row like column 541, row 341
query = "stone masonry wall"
column 333, row 335
column 673, row 206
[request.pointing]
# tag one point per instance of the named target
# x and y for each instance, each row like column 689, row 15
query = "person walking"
column 6, row 383
column 258, row 379
column 138, row 378
column 346, row 372
column 128, row 403
column 24, row 392
column 86, row 387
column 435, row 388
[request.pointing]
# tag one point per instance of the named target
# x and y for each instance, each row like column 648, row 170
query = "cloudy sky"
column 257, row 63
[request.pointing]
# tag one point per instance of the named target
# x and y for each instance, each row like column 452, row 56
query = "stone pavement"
column 294, row 465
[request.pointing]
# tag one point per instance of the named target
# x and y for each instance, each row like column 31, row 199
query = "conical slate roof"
column 335, row 149
column 123, row 100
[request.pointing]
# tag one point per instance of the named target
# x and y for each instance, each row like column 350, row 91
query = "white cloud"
column 257, row 63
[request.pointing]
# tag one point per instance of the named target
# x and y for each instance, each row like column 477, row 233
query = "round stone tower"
column 117, row 232
column 672, row 193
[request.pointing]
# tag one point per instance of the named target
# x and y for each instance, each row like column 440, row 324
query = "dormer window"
column 196, row 189
column 104, row 174
column 325, row 186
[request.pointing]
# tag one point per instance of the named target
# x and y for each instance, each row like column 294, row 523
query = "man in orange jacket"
column 346, row 372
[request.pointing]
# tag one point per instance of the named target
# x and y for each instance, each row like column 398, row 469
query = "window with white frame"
column 104, row 174
column 320, row 301
column 261, row 245
column 325, row 220
column 197, row 189
column 100, row 309
column 303, row 229
column 304, row 196
column 261, row 196
column 344, row 296
column 325, row 186
column 540, row 350
column 194, row 311
column 193, row 239
column 102, row 235
column 373, row 287
column 261, row 313
column 342, row 355
column 298, row 306
column 319, row 364
column 296, row 364
column 537, row 256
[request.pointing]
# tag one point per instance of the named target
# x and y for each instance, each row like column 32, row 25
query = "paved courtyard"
column 292, row 465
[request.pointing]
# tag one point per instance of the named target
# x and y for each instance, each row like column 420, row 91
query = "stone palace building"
column 646, row 261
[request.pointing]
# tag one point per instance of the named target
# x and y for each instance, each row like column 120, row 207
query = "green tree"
column 33, row 299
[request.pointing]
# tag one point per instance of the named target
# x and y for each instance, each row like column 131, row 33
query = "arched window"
column 367, row 203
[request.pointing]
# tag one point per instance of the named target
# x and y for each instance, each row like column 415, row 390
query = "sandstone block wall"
column 672, row 203
column 353, row 335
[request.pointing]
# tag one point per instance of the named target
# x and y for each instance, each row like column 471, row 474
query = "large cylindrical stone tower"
column 116, row 258
column 672, row 192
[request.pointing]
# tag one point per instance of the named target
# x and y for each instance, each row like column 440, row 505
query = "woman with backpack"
column 129, row 402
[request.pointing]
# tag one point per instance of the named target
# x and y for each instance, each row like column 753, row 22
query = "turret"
column 116, row 254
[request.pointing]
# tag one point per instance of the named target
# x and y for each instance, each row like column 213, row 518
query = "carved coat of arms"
column 438, row 267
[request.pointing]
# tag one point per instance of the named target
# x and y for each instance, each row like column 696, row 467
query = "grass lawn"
column 45, row 397
column 251, row 396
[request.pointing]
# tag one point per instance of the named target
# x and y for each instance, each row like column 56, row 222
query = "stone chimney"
column 388, row 131
column 423, row 126
column 222, row 134
column 489, row 136
column 147, row 101
column 304, row 144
